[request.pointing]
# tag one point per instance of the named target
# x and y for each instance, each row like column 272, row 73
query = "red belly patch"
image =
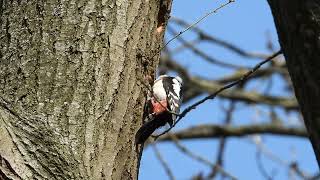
column 159, row 108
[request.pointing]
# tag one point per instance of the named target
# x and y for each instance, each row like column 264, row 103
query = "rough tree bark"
column 70, row 93
column 298, row 26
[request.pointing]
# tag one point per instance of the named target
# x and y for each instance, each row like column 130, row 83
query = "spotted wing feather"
column 173, row 91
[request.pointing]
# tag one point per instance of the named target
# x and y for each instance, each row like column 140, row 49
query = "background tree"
column 262, row 110
column 70, row 97
column 302, row 55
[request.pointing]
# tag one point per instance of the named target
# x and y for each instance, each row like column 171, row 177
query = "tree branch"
column 216, row 131
column 221, row 89
column 201, row 159
column 206, row 37
column 163, row 162
column 200, row 85
column 246, row 96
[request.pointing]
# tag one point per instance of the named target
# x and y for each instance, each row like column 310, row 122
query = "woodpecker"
column 163, row 106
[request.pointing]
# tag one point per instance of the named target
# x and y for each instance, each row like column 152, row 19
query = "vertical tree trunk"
column 70, row 93
column 298, row 26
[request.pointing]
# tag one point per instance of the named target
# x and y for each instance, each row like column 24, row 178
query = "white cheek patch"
column 159, row 91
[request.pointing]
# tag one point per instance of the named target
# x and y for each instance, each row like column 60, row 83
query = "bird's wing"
column 173, row 92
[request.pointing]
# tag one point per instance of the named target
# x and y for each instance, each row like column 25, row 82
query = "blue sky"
column 246, row 24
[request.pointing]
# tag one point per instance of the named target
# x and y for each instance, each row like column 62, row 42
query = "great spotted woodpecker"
column 163, row 105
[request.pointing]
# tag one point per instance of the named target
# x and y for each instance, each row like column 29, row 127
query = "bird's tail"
column 149, row 127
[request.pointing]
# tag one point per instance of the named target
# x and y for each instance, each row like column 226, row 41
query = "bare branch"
column 295, row 167
column 200, row 85
column 206, row 37
column 212, row 96
column 261, row 167
column 192, row 26
column 240, row 95
column 202, row 54
column 163, row 162
column 263, row 150
column 216, row 131
column 199, row 158
column 223, row 140
column 241, row 80
column 263, row 72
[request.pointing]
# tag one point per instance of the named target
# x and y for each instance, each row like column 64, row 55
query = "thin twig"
column 206, row 37
column 241, row 80
column 295, row 168
column 163, row 162
column 222, row 144
column 262, row 149
column 200, row 159
column 192, row 25
column 203, row 54
column 212, row 96
column 261, row 167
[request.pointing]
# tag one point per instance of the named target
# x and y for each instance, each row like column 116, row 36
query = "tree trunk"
column 298, row 26
column 71, row 98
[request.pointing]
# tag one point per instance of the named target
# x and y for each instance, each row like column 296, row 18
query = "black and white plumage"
column 165, row 101
column 169, row 88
